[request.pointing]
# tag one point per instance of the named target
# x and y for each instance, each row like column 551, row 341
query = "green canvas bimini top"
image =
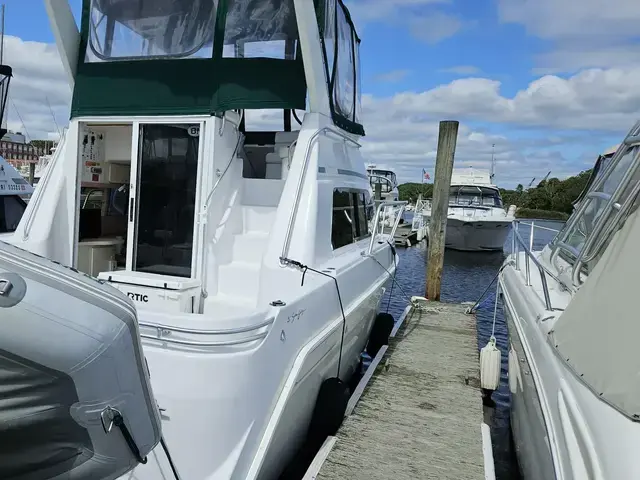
column 190, row 57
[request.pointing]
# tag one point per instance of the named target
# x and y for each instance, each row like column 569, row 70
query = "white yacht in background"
column 573, row 330
column 42, row 165
column 477, row 220
column 14, row 190
column 247, row 253
column 386, row 178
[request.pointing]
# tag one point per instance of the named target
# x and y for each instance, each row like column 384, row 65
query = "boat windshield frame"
column 374, row 178
column 483, row 192
column 613, row 195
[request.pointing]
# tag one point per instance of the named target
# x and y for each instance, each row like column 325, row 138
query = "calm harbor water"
column 465, row 277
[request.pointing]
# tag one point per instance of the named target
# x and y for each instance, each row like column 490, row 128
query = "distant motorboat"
column 14, row 194
column 476, row 220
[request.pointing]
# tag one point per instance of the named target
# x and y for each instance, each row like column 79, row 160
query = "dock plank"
column 420, row 415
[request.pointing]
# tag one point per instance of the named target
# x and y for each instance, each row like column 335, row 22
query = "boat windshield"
column 375, row 178
column 469, row 195
column 139, row 29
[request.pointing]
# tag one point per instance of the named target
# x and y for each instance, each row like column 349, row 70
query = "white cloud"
column 595, row 99
column 553, row 124
column 392, row 76
column 38, row 81
column 461, row 70
column 583, row 34
column 420, row 17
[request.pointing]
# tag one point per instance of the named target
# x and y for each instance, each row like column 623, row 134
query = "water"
column 465, row 277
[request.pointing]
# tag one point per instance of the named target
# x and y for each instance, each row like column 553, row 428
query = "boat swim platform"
column 417, row 413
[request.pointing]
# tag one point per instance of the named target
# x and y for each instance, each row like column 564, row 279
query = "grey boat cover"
column 75, row 397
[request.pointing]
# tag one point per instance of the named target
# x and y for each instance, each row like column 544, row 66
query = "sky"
column 544, row 85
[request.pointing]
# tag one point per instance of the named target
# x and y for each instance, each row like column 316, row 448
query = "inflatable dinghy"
column 75, row 397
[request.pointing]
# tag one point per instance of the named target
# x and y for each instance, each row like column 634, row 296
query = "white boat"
column 42, row 165
column 247, row 253
column 386, row 178
column 14, row 190
column 477, row 220
column 573, row 330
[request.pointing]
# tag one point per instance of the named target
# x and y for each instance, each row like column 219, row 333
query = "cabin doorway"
column 162, row 202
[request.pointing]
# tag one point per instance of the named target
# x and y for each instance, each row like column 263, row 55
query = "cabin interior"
column 166, row 170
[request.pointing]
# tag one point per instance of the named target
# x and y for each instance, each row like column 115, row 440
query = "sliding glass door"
column 163, row 200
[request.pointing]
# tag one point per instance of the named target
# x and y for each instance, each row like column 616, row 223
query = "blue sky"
column 551, row 83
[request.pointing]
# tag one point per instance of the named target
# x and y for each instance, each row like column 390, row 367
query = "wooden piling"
column 447, row 139
column 32, row 172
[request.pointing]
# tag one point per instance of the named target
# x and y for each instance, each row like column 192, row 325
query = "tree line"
column 551, row 195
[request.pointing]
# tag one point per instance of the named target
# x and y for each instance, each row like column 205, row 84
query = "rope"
column 171, row 464
column 495, row 312
column 477, row 304
column 305, row 268
column 393, row 277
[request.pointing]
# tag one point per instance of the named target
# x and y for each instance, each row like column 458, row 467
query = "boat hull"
column 487, row 234
column 250, row 419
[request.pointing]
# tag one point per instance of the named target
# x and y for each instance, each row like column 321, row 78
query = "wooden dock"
column 420, row 414
column 403, row 236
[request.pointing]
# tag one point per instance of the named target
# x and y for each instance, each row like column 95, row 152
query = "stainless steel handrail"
column 194, row 331
column 221, row 343
column 517, row 241
column 374, row 229
column 300, row 185
column 391, row 185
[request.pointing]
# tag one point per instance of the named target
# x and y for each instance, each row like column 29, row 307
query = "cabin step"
column 249, row 247
column 262, row 192
column 239, row 279
column 258, row 219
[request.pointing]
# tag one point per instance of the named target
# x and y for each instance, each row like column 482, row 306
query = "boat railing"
column 518, row 244
column 390, row 185
column 378, row 224
column 299, row 187
column 204, row 338
column 533, row 228
column 417, row 222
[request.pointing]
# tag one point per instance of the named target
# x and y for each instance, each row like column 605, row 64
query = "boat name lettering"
column 138, row 297
column 295, row 316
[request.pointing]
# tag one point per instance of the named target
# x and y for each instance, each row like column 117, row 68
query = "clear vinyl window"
column 141, row 29
column 266, row 29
